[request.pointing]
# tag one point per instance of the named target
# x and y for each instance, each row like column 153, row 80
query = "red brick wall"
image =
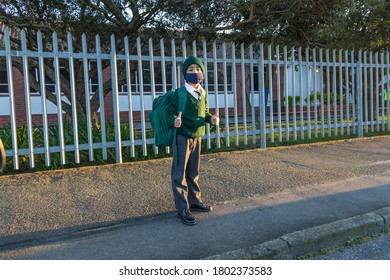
column 20, row 104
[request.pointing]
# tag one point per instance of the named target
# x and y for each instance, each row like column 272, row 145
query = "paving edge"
column 301, row 243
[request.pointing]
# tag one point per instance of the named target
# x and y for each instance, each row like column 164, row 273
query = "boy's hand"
column 178, row 120
column 215, row 119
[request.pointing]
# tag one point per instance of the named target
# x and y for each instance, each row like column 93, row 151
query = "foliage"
column 361, row 24
column 290, row 100
column 324, row 23
column 331, row 96
column 315, row 96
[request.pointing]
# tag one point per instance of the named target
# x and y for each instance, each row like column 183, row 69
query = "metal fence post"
column 26, row 81
column 115, row 101
column 263, row 105
column 359, row 95
column 73, row 99
column 59, row 98
column 42, row 79
column 11, row 98
column 87, row 97
column 101, row 97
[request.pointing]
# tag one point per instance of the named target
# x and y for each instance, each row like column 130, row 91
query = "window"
column 220, row 80
column 49, row 83
column 146, row 80
column 3, row 80
column 256, row 77
column 93, row 80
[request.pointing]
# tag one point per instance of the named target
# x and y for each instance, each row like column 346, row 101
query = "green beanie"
column 192, row 60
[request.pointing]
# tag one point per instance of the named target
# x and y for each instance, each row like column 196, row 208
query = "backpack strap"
column 182, row 99
column 182, row 102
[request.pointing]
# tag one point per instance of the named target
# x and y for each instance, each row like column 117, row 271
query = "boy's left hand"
column 215, row 119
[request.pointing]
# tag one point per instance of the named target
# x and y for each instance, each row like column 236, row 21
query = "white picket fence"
column 264, row 94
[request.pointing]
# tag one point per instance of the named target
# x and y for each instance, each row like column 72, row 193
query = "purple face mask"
column 194, row 78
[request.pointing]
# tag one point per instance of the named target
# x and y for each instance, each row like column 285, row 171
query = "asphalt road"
column 375, row 248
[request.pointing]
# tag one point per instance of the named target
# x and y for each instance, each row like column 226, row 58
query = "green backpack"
column 163, row 132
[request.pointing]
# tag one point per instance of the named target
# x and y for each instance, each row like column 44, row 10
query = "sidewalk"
column 338, row 240
column 309, row 197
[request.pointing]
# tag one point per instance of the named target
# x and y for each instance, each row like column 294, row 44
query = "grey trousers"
column 185, row 174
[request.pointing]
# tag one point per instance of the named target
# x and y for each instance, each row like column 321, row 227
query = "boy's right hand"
column 178, row 120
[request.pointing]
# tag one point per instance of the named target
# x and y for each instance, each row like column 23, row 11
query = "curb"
column 299, row 244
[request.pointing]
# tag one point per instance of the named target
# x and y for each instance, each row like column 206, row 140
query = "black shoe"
column 186, row 218
column 200, row 207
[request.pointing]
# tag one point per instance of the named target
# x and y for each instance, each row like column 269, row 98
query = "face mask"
column 194, row 78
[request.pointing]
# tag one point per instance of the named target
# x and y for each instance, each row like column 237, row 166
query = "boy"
column 190, row 129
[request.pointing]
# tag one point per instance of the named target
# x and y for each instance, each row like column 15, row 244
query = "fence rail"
column 264, row 94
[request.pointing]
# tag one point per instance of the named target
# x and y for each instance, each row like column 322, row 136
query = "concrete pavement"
column 357, row 238
column 269, row 204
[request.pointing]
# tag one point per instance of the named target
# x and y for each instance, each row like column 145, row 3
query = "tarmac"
column 325, row 201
